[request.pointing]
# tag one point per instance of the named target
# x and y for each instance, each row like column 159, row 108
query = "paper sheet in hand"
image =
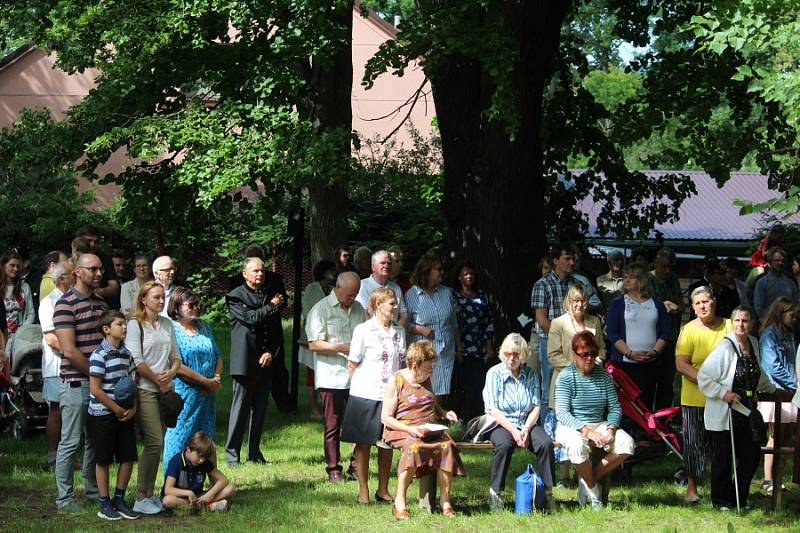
column 524, row 319
column 739, row 408
column 434, row 430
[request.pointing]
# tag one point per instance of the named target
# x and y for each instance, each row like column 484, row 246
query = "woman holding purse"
column 151, row 341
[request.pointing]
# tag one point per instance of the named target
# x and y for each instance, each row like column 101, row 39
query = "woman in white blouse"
column 376, row 350
column 151, row 341
column 130, row 289
column 638, row 328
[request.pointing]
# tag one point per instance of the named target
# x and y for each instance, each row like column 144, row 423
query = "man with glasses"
column 164, row 271
column 75, row 322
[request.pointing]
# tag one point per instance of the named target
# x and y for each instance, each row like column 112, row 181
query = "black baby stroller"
column 22, row 406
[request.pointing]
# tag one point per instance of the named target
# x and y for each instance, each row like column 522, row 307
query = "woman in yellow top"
column 559, row 353
column 696, row 341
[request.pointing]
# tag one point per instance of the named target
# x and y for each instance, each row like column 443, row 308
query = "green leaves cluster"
column 762, row 39
column 40, row 205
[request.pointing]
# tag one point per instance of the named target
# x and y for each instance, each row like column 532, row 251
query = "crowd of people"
column 389, row 355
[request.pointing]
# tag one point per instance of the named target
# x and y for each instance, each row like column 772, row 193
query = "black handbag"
column 758, row 427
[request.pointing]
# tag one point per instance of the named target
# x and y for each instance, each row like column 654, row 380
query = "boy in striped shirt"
column 111, row 425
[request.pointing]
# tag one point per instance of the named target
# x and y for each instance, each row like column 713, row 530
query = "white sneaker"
column 495, row 501
column 582, row 492
column 596, row 497
column 157, row 501
column 146, row 506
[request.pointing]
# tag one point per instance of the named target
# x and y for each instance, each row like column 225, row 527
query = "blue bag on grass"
column 529, row 492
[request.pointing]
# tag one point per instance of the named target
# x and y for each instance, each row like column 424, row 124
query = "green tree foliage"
column 40, row 205
column 761, row 40
column 518, row 98
column 205, row 97
column 390, row 9
column 396, row 195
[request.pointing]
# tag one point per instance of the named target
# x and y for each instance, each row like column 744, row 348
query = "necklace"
column 745, row 351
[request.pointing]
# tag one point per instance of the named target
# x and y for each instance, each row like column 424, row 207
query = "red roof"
column 710, row 214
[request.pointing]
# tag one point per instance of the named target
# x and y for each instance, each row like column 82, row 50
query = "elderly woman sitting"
column 589, row 413
column 512, row 395
column 409, row 406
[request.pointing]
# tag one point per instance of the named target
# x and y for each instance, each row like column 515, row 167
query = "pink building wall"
column 31, row 81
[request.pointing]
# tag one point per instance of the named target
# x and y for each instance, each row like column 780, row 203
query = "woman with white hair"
column 512, row 397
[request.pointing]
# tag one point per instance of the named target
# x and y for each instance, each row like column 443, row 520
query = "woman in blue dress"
column 199, row 376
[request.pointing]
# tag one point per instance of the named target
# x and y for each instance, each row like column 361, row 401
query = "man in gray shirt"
column 773, row 284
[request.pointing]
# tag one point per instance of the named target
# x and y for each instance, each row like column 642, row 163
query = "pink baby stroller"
column 655, row 425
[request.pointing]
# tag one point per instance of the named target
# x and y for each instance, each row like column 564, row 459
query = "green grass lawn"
column 293, row 494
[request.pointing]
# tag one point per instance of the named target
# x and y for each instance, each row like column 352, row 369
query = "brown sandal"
column 400, row 515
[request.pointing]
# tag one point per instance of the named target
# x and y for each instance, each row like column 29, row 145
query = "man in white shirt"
column 381, row 270
column 610, row 284
column 164, row 272
column 329, row 328
column 61, row 274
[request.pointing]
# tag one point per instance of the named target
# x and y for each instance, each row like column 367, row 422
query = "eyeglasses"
column 170, row 269
column 586, row 355
column 93, row 270
column 511, row 354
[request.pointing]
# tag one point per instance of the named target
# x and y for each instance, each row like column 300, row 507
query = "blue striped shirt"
column 582, row 400
column 79, row 313
column 111, row 364
column 515, row 398
column 438, row 312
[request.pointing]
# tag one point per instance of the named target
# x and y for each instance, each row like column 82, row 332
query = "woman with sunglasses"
column 199, row 375
column 129, row 290
column 589, row 414
column 512, row 397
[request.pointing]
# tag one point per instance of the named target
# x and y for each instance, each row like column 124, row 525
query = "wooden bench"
column 777, row 451
column 427, row 483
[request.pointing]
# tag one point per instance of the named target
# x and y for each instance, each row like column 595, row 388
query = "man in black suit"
column 253, row 348
column 273, row 284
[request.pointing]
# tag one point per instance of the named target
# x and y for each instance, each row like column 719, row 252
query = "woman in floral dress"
column 409, row 404
column 477, row 338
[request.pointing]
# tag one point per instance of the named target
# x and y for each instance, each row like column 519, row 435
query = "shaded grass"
column 293, row 494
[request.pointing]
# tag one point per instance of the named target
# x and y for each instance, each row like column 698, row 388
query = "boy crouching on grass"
column 110, row 422
column 186, row 475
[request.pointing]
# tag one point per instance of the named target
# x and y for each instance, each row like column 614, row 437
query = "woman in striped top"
column 588, row 414
column 512, row 397
column 432, row 312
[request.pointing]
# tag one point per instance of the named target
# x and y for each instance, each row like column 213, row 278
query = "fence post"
column 297, row 231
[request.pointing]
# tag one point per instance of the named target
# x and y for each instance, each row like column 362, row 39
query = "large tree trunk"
column 494, row 191
column 331, row 111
